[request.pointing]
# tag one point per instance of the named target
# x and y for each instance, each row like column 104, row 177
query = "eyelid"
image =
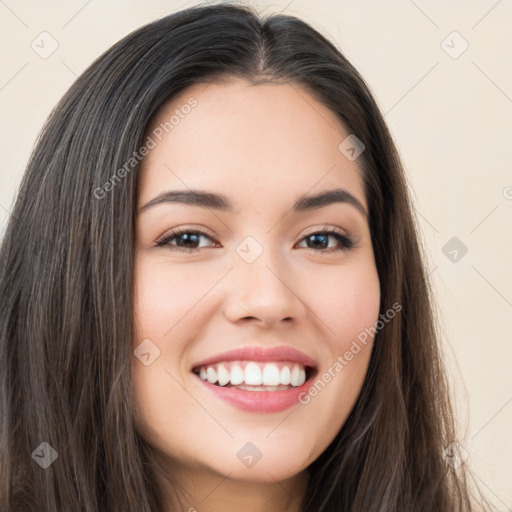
column 199, row 229
column 317, row 229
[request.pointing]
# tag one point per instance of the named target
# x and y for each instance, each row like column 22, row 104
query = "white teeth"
column 298, row 376
column 285, row 375
column 223, row 375
column 252, row 374
column 236, row 375
column 211, row 375
column 271, row 375
column 266, row 375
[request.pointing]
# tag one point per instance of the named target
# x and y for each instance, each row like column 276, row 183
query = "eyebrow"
column 220, row 202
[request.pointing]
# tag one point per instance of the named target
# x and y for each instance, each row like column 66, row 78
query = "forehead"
column 254, row 141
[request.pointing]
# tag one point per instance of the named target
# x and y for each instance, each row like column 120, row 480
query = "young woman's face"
column 262, row 275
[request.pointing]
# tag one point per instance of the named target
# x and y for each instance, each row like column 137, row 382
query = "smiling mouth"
column 256, row 375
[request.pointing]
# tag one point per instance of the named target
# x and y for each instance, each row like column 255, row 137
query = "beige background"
column 450, row 114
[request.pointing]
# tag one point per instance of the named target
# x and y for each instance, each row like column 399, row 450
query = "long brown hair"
column 66, row 285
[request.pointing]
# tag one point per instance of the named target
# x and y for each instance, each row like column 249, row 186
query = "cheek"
column 163, row 295
column 161, row 299
column 347, row 301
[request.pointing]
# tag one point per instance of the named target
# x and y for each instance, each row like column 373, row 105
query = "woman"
column 288, row 363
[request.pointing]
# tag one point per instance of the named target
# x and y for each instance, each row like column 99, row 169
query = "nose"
column 264, row 292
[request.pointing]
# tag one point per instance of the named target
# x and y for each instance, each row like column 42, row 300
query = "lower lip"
column 258, row 401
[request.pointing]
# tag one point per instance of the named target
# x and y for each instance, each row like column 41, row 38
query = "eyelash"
column 346, row 242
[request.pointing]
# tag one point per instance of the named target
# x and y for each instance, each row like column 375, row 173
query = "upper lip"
column 258, row 353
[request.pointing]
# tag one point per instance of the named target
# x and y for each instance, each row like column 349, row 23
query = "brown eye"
column 186, row 240
column 320, row 240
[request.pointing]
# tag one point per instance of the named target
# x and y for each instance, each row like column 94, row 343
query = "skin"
column 262, row 146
